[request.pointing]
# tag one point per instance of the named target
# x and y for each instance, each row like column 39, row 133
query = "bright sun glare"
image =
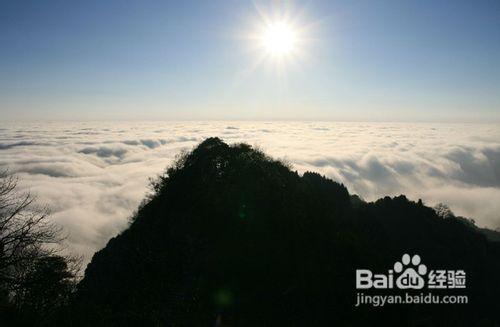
column 279, row 39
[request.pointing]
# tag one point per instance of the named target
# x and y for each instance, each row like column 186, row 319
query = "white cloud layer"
column 93, row 175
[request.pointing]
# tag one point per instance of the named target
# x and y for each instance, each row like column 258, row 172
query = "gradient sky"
column 426, row 60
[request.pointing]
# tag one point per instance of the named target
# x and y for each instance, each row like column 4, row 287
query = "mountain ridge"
column 231, row 235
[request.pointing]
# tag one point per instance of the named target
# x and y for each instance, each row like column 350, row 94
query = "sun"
column 279, row 39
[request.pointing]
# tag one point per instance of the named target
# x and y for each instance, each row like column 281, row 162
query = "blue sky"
column 364, row 60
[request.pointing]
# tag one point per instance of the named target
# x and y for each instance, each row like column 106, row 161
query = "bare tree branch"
column 25, row 238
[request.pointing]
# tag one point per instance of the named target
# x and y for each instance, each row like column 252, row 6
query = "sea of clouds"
column 94, row 174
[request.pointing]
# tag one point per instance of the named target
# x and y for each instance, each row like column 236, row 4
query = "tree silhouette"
column 34, row 279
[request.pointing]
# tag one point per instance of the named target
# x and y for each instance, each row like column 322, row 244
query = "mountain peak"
column 233, row 235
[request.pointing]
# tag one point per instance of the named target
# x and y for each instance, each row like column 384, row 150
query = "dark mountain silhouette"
column 231, row 237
